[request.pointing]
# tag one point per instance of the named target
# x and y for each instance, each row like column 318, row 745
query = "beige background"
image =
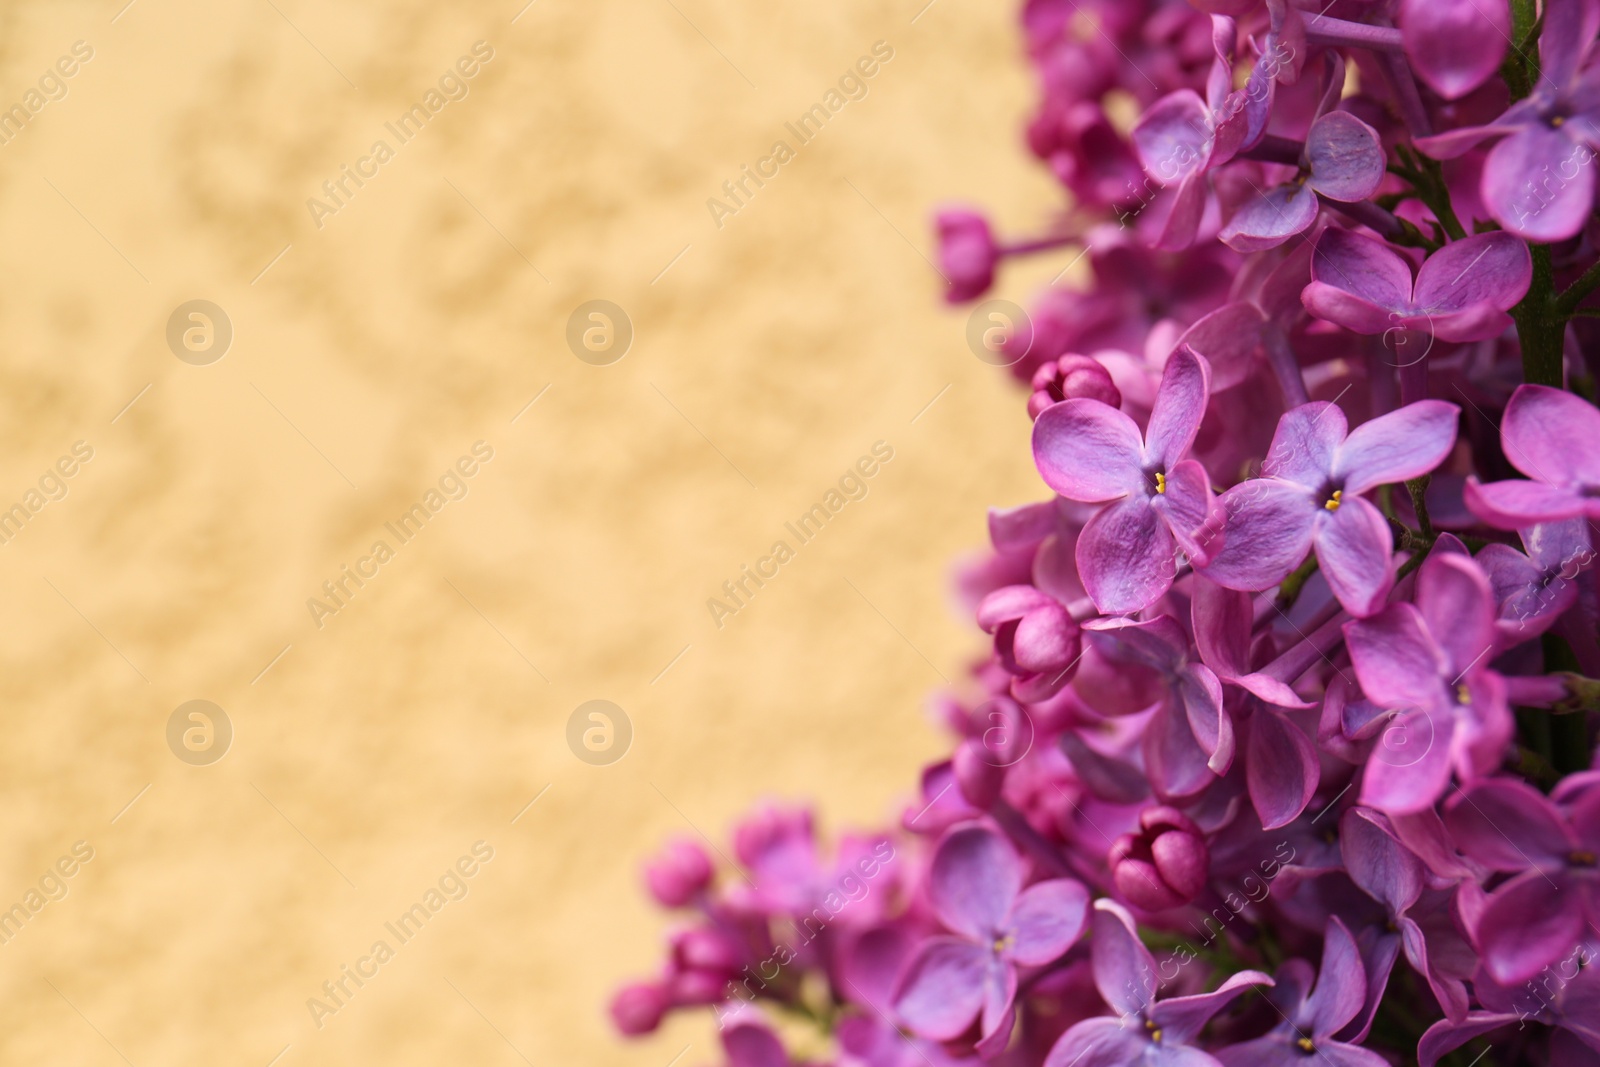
column 421, row 318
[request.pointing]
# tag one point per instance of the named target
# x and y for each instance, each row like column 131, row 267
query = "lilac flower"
column 753, row 1044
column 1568, row 1001
column 1428, row 661
column 1553, row 843
column 1190, row 738
column 1070, row 377
column 1554, row 438
column 1312, row 1015
column 1160, row 502
column 1538, row 182
column 1454, row 45
column 681, row 871
column 1164, row 864
column 1181, row 138
column 1342, row 160
column 1310, row 497
column 1535, row 589
column 1150, row 1032
column 1035, row 639
column 975, row 886
column 1461, row 293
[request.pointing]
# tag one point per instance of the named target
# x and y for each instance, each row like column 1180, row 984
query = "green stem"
column 1418, row 488
column 1572, row 295
column 1289, row 588
column 1541, row 326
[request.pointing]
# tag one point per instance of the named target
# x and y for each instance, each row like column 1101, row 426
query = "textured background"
column 367, row 356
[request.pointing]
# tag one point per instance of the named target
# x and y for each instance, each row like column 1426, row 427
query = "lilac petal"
column 1346, row 157
column 753, row 1045
column 1087, row 451
column 1187, row 209
column 1354, row 546
column 1230, row 340
column 1569, row 31
column 1125, row 555
column 999, row 1009
column 1192, row 517
column 1108, row 778
column 1378, row 955
column 1362, row 268
column 1124, row 970
column 1570, row 1048
column 942, row 990
column 1305, row 445
column 1450, row 992
column 1222, row 621
column 1396, row 659
column 1267, row 532
column 1178, row 765
column 871, row 963
column 1044, row 639
column 1046, row 920
column 1281, row 768
column 1488, row 269
column 1159, row 644
column 1385, row 869
column 1454, row 45
column 1338, row 1055
column 1539, row 184
column 1098, row 1042
column 1201, row 694
column 1445, row 1036
column 1406, row 443
column 1457, row 606
column 1267, row 219
column 1182, row 1018
column 1507, row 825
column 1341, row 983
column 1459, row 142
column 1179, row 407
column 1530, row 922
column 1552, row 436
column 1527, row 608
column 1410, row 767
column 1171, row 136
column 1511, row 505
column 1275, row 1048
column 1560, row 547
column 973, row 880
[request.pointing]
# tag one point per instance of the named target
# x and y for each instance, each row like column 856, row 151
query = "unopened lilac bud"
column 680, row 872
column 1164, row 864
column 967, row 253
column 706, row 948
column 977, row 774
column 637, row 1008
column 1071, row 377
column 697, row 987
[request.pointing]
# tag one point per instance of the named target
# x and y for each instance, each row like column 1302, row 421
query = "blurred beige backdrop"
column 371, row 352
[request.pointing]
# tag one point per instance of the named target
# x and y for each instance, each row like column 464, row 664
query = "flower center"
column 1463, row 694
column 1334, row 500
column 1306, row 1046
column 1161, row 482
column 1557, row 120
column 1003, row 942
column 1155, row 1031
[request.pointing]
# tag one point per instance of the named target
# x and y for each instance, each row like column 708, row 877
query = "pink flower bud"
column 681, row 870
column 696, row 987
column 967, row 253
column 706, row 948
column 1164, row 864
column 637, row 1008
column 1070, row 377
column 977, row 774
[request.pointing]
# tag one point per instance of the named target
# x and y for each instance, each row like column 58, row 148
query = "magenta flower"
column 975, row 887
column 968, row 253
column 1454, row 45
column 1071, row 377
column 1311, row 498
column 1160, row 502
column 1342, row 160
column 1164, row 864
column 1538, row 182
column 1568, row 1000
column 1553, row 845
column 1035, row 639
column 1461, row 293
column 1536, row 589
column 681, row 871
column 1149, row 1032
column 1554, row 438
column 1312, row 1015
column 1428, row 662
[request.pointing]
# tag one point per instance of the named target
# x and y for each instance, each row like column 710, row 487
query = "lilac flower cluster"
column 1285, row 750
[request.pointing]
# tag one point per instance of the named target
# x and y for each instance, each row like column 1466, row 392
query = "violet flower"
column 1159, row 502
column 968, row 253
column 1164, row 864
column 1462, row 292
column 1311, row 498
column 1553, row 843
column 1312, row 1014
column 1536, row 589
column 1538, row 182
column 975, row 887
column 1554, row 438
column 1569, row 1002
column 1035, row 639
column 1149, row 1032
column 1428, row 661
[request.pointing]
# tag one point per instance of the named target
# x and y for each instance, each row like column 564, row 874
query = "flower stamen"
column 1334, row 500
column 1161, row 482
